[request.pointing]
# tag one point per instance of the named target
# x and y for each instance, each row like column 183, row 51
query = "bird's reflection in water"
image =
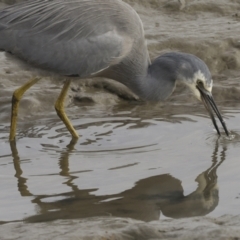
column 145, row 201
column 200, row 202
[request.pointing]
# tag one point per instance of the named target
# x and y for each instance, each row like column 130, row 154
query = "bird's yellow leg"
column 59, row 106
column 17, row 95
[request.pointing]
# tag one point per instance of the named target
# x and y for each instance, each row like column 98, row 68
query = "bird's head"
column 196, row 75
column 199, row 79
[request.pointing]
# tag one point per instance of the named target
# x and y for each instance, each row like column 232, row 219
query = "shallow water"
column 137, row 160
column 124, row 165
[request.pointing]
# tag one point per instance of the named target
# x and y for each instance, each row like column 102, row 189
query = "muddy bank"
column 225, row 227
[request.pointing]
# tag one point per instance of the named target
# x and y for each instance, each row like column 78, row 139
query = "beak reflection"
column 211, row 107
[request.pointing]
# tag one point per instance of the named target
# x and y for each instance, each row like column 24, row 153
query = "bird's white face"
column 202, row 89
column 199, row 78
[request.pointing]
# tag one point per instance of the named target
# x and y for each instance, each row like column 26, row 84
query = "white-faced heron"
column 97, row 38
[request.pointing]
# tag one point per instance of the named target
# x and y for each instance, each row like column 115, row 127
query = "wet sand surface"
column 139, row 170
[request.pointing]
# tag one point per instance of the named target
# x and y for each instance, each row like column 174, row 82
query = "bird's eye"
column 199, row 82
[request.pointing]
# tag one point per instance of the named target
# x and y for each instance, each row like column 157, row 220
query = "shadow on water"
column 145, row 201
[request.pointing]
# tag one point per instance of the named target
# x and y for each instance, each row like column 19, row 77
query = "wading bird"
column 96, row 38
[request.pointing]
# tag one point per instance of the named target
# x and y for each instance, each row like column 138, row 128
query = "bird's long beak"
column 211, row 106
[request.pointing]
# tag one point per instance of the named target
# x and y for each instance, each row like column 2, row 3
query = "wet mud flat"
column 105, row 187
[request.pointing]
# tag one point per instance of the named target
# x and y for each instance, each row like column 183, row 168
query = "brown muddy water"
column 135, row 160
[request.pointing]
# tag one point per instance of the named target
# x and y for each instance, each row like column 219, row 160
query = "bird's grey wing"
column 70, row 37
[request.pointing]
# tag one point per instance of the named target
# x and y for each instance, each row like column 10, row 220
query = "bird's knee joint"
column 59, row 107
column 16, row 97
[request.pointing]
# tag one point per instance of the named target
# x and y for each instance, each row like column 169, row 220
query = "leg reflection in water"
column 22, row 182
column 145, row 201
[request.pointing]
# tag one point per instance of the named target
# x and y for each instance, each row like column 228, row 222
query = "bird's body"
column 95, row 38
column 82, row 38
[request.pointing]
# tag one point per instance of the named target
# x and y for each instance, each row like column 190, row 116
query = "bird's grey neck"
column 157, row 81
column 154, row 82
